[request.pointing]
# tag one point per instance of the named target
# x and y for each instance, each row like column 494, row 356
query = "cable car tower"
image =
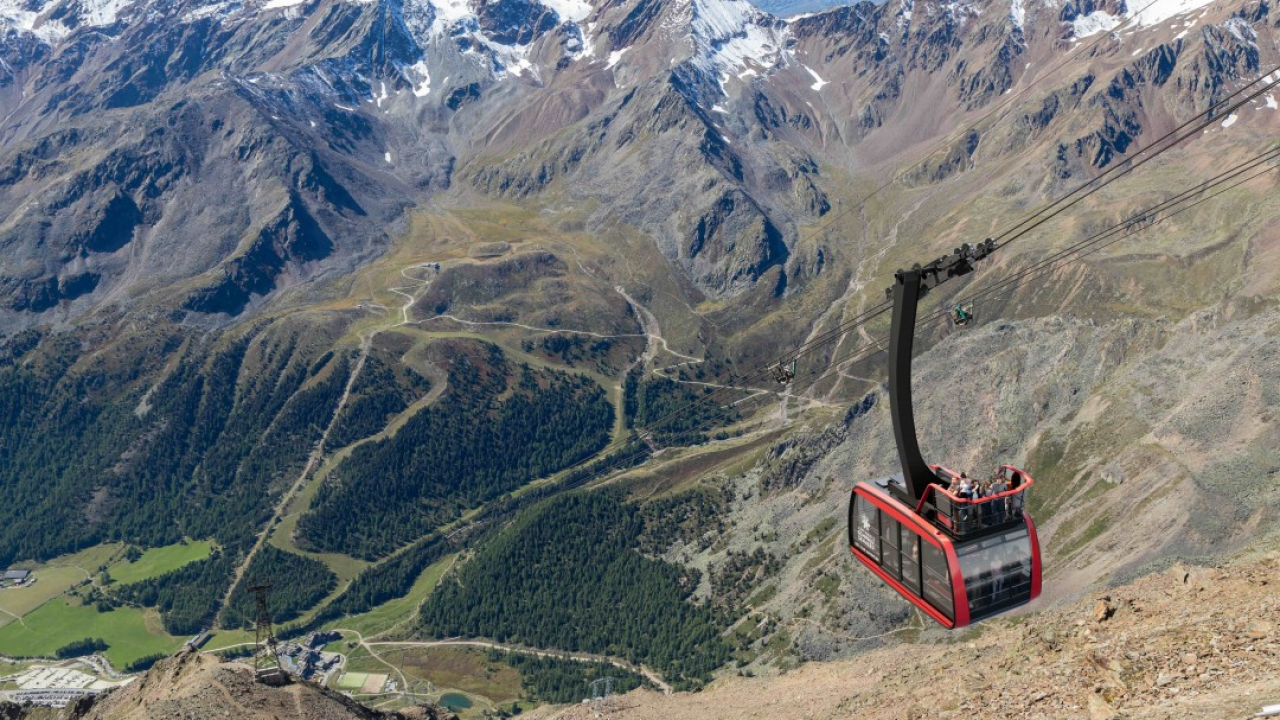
column 602, row 696
column 958, row 558
column 264, row 641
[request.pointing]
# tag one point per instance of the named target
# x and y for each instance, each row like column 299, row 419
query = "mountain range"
column 322, row 282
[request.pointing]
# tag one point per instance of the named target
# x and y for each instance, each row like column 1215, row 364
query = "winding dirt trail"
column 655, row 343
column 649, row 324
column 410, row 293
column 313, row 461
column 455, row 318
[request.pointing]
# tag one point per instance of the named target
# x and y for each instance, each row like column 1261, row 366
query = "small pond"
column 453, row 702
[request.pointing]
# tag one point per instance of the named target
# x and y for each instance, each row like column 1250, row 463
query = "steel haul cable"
column 1009, row 236
column 1089, row 246
column 1204, row 119
column 1130, row 163
column 954, row 135
column 1083, row 248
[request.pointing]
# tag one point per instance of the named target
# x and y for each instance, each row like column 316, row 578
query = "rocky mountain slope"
column 315, row 125
column 194, row 685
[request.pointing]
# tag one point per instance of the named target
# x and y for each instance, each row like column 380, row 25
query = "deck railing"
column 960, row 516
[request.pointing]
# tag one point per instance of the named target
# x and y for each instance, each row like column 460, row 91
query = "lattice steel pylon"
column 264, row 636
column 602, row 695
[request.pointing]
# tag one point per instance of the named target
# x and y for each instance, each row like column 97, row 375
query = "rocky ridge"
column 196, row 686
column 714, row 127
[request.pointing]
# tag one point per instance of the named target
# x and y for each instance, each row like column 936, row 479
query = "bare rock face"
column 1261, row 629
column 732, row 244
column 1103, row 610
column 291, row 237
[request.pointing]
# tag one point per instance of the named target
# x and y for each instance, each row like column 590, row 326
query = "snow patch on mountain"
column 575, row 10
column 1142, row 17
column 1094, row 23
column 13, row 14
column 818, row 82
column 31, row 18
column 1018, row 14
column 449, row 12
column 420, row 76
column 218, row 10
column 101, row 12
column 1162, row 10
column 734, row 37
column 959, row 10
column 1241, row 30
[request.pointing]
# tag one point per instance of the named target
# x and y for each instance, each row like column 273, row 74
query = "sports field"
column 352, row 680
column 363, row 683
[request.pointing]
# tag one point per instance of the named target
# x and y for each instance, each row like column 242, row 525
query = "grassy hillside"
column 158, row 561
column 129, row 633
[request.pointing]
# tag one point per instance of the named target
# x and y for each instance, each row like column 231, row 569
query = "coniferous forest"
column 387, row 580
column 187, row 597
column 195, row 436
column 80, row 648
column 676, row 411
column 566, row 575
column 494, row 429
column 297, row 583
column 382, row 390
column 559, row 680
column 167, row 436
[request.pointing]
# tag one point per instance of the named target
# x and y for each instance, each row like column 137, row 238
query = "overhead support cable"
column 1091, row 245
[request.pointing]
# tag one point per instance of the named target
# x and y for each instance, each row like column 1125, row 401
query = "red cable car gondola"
column 957, row 560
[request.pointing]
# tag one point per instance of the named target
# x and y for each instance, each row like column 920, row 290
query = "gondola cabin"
column 957, row 560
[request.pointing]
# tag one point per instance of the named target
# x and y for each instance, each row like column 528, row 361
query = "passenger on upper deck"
column 965, row 492
column 998, row 484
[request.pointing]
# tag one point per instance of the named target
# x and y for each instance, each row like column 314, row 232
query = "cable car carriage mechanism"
column 957, row 559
